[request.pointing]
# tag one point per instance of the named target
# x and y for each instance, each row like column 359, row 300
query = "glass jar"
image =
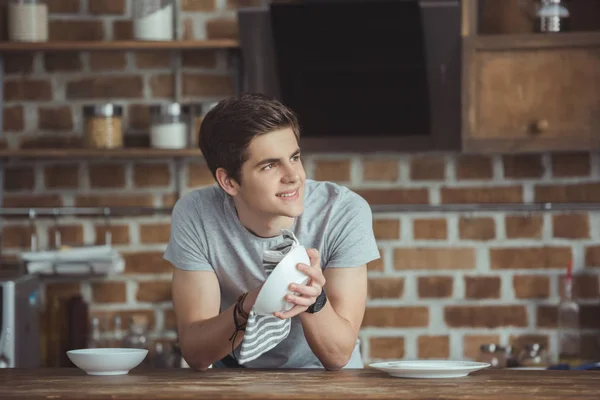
column 493, row 354
column 28, row 20
column 137, row 335
column 552, row 16
column 103, row 126
column 197, row 113
column 169, row 129
column 153, row 19
column 534, row 355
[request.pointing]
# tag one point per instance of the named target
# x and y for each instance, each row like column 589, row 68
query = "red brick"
column 583, row 286
column 199, row 59
column 396, row 317
column 435, row 287
column 518, row 342
column 198, row 5
column 386, row 229
column 523, row 166
column 70, row 235
column 530, row 257
column 162, row 86
column 62, row 62
column 55, row 118
column 571, row 226
column 589, row 346
column 155, row 233
column 574, row 193
column 471, row 166
column 19, row 178
column 105, row 87
column 385, row 288
column 434, row 258
column 154, row 291
column 531, row 286
column 377, row 170
column 233, row 4
column 592, row 256
column 430, row 229
column 521, row 227
column 482, row 287
column 76, row 30
column 335, row 170
column 50, row 141
column 151, row 262
column 152, row 59
column 485, row 316
column 33, row 201
column 108, row 200
column 12, row 118
column 105, row 60
column 18, row 63
column 427, row 168
column 63, row 6
column 61, row 176
column 504, row 194
column 107, row 7
column 376, row 265
column 123, row 30
column 107, row 176
column 571, row 164
column 169, row 200
column 384, row 348
column 119, row 234
column 473, row 343
column 151, row 175
column 139, row 116
column 17, row 236
column 206, row 85
column 477, row 228
column 27, row 90
column 170, row 320
column 199, row 175
column 395, row 196
column 221, row 28
column 434, row 347
column 109, row 292
column 546, row 316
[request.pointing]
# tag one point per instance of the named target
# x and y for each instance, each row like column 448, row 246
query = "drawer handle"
column 540, row 126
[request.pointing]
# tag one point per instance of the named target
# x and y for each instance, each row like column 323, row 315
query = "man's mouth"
column 290, row 193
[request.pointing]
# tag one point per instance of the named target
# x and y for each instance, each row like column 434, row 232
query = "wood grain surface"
column 72, row 383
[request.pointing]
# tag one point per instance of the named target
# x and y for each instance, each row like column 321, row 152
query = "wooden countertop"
column 72, row 383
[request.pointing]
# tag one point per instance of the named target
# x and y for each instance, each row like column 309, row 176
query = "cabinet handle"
column 540, row 126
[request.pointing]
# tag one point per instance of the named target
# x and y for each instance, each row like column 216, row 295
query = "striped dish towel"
column 263, row 332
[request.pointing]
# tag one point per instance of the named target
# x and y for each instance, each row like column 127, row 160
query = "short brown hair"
column 229, row 127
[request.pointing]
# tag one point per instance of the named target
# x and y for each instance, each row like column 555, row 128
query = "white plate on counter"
column 429, row 369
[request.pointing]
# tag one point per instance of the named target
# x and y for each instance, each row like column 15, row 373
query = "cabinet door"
column 533, row 100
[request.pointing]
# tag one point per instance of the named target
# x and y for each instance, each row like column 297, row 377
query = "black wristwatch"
column 318, row 304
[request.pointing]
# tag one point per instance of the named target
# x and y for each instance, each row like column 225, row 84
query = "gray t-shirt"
column 206, row 235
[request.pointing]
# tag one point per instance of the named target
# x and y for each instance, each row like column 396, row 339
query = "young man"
column 219, row 234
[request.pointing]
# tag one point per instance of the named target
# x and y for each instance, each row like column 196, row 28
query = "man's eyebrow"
column 275, row 160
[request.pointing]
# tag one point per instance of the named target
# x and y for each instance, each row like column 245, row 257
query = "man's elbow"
column 337, row 363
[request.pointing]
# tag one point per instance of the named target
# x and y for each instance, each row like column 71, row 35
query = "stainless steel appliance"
column 19, row 320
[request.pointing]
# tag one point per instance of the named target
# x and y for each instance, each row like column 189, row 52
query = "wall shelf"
column 122, row 45
column 125, row 153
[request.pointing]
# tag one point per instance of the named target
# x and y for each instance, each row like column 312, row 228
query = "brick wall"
column 447, row 281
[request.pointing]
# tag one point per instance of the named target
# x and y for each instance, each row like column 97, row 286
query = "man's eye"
column 268, row 166
column 296, row 157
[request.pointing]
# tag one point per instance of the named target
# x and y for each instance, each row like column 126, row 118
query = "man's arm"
column 331, row 333
column 203, row 332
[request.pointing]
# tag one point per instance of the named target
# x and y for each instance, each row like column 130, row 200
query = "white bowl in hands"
column 107, row 361
column 271, row 297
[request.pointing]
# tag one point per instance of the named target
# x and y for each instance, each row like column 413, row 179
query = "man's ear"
column 228, row 184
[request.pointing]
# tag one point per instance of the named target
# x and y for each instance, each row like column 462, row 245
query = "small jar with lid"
column 493, row 354
column 169, row 127
column 103, row 126
column 28, row 20
column 197, row 113
column 534, row 355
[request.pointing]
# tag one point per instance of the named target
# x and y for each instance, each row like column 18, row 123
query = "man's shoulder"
column 327, row 195
column 200, row 199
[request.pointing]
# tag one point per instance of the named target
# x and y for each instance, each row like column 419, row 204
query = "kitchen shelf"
column 125, row 153
column 54, row 46
column 534, row 40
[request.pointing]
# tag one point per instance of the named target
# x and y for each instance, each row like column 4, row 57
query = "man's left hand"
column 305, row 295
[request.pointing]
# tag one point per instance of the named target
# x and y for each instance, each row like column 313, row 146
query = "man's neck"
column 261, row 225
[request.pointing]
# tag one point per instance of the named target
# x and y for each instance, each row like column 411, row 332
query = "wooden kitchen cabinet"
column 529, row 92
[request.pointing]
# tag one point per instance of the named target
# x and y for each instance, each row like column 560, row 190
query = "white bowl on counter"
column 107, row 361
